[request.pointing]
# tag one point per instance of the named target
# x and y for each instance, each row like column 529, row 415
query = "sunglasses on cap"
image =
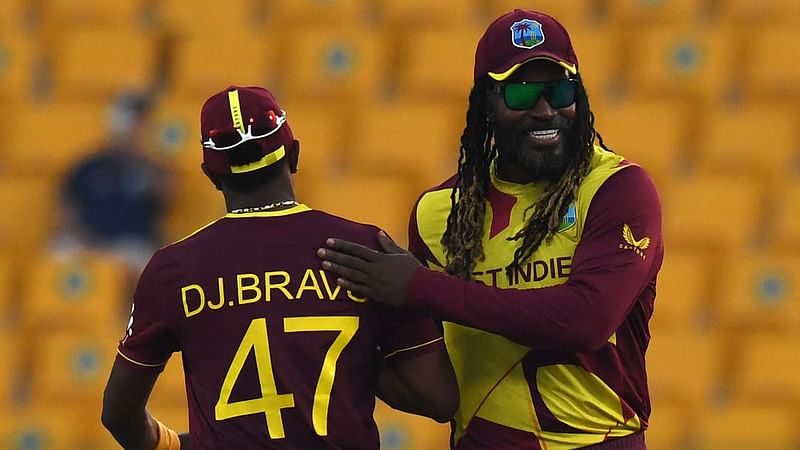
column 525, row 95
column 257, row 128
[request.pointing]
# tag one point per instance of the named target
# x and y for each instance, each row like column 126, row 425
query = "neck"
column 274, row 206
column 273, row 193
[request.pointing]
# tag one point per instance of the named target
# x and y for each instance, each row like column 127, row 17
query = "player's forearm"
column 134, row 431
column 397, row 394
column 393, row 392
column 437, row 402
column 576, row 316
column 186, row 441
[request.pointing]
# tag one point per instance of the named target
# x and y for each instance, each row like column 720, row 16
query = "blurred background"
column 703, row 93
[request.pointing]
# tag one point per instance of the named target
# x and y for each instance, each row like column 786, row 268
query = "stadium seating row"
column 682, row 139
column 718, row 213
column 697, row 402
column 745, row 291
column 184, row 15
column 698, row 60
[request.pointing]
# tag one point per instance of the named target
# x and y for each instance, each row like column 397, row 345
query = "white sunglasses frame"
column 247, row 135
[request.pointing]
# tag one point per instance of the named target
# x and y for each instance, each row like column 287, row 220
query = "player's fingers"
column 351, row 248
column 350, row 274
column 357, row 289
column 387, row 244
column 342, row 259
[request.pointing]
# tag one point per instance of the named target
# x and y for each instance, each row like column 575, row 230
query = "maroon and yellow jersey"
column 276, row 355
column 552, row 356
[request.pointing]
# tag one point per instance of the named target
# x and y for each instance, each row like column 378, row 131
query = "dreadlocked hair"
column 463, row 237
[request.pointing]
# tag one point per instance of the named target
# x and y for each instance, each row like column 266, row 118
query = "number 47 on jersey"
column 271, row 402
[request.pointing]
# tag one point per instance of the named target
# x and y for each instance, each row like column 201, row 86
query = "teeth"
column 543, row 133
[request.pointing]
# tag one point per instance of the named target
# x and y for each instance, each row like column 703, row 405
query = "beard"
column 544, row 163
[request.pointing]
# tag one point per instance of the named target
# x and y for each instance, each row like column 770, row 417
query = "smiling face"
column 537, row 143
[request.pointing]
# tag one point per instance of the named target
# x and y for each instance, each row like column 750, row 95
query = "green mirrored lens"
column 561, row 93
column 522, row 95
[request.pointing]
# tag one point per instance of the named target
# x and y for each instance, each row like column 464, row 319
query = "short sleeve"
column 150, row 338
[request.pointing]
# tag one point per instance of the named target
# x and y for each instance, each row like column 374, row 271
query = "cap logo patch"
column 526, row 33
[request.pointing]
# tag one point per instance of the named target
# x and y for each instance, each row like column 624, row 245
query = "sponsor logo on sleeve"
column 637, row 246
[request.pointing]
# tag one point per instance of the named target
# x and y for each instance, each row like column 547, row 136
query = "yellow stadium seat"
column 201, row 17
column 431, row 67
column 51, row 427
column 27, row 213
column 8, row 288
column 401, row 15
column 573, row 14
column 749, row 427
column 204, row 64
column 286, row 15
column 170, row 390
column 10, row 367
column 176, row 126
column 670, row 426
column 597, row 46
column 87, row 291
column 75, row 129
column 97, row 64
column 19, row 56
column 733, row 140
column 685, row 367
column 670, row 61
column 630, row 129
column 713, row 213
column 194, row 204
column 402, row 431
column 333, row 63
column 766, row 369
column 99, row 438
column 683, row 291
column 383, row 201
column 15, row 14
column 57, row 17
column 322, row 130
column 71, row 367
column 419, row 139
column 759, row 292
column 649, row 12
column 762, row 13
column 785, row 219
column 770, row 71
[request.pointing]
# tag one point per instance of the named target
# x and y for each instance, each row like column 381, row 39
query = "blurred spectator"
column 113, row 200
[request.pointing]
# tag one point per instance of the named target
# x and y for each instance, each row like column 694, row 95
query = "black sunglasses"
column 521, row 96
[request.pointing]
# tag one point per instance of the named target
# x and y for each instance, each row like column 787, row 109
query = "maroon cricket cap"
column 236, row 107
column 518, row 37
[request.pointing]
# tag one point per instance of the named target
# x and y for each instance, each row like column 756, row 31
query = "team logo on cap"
column 526, row 33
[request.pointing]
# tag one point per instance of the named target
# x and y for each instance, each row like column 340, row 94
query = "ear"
column 214, row 178
column 294, row 156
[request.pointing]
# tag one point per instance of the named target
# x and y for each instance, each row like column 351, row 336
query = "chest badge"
column 569, row 219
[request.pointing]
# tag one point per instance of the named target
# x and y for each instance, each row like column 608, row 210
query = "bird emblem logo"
column 631, row 243
column 627, row 234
